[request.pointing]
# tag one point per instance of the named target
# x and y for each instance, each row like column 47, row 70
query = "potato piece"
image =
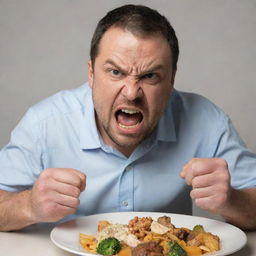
column 211, row 241
column 125, row 251
column 207, row 239
column 193, row 251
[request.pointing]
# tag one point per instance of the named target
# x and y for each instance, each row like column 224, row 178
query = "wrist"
column 237, row 210
column 28, row 209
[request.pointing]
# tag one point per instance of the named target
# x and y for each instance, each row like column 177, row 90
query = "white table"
column 35, row 241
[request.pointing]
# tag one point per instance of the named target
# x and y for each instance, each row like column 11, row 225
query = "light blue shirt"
column 60, row 132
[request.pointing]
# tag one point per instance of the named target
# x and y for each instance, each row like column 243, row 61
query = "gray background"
column 44, row 48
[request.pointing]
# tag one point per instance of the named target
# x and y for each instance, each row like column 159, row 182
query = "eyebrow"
column 154, row 68
column 150, row 70
column 115, row 65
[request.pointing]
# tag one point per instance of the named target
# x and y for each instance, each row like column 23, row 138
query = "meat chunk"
column 181, row 233
column 165, row 221
column 148, row 249
column 140, row 227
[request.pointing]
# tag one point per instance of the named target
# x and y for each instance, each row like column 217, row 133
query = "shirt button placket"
column 126, row 190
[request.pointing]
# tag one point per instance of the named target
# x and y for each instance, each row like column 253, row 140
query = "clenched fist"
column 56, row 193
column 210, row 181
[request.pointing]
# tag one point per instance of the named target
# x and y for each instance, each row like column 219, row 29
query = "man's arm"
column 53, row 196
column 240, row 210
column 211, row 190
column 15, row 212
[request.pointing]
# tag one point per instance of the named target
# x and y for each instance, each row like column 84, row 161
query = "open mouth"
column 128, row 118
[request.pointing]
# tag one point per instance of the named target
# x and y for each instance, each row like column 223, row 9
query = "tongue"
column 127, row 119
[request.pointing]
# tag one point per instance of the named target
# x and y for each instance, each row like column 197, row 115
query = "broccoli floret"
column 198, row 229
column 109, row 246
column 174, row 249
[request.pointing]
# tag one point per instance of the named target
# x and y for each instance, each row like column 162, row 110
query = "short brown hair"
column 140, row 20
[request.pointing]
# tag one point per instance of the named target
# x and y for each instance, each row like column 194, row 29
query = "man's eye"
column 115, row 72
column 150, row 77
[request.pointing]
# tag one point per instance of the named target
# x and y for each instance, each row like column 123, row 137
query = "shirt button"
column 125, row 203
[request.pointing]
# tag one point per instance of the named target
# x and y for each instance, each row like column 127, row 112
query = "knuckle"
column 197, row 166
column 193, row 194
column 221, row 162
column 190, row 163
column 195, row 182
column 76, row 181
column 224, row 177
column 76, row 192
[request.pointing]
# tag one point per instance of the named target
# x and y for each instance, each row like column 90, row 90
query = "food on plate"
column 143, row 236
column 148, row 248
column 174, row 249
column 89, row 243
column 109, row 246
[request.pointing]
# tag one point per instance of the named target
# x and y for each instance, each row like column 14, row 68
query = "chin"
column 129, row 142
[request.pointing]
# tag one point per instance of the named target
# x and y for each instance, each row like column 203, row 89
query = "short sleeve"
column 241, row 162
column 20, row 159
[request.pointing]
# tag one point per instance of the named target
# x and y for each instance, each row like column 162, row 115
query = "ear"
column 90, row 73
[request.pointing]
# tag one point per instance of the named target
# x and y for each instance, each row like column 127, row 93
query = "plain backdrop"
column 44, row 46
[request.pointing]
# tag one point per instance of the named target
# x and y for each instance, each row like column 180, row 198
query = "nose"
column 131, row 89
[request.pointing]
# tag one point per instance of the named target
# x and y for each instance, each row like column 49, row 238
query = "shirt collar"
column 90, row 138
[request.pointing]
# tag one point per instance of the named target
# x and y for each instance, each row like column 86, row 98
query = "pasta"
column 89, row 243
column 145, row 230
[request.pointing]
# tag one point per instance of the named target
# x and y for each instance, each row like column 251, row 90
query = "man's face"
column 131, row 81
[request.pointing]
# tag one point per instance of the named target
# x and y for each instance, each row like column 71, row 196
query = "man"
column 127, row 140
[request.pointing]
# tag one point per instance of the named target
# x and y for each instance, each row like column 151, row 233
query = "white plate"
column 66, row 235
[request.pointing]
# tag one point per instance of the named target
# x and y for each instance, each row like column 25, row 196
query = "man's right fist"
column 56, row 193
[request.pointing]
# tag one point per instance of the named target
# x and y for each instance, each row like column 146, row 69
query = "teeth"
column 127, row 127
column 129, row 111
